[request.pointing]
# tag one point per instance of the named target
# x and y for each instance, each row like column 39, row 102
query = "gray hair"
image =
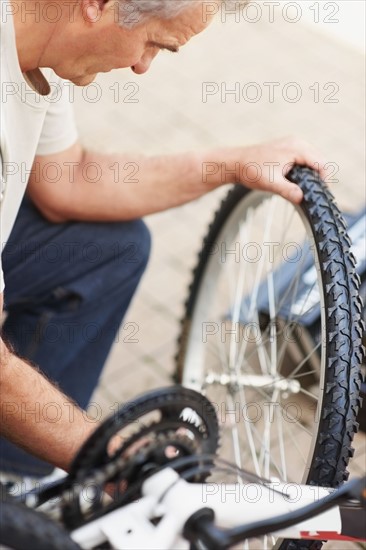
column 132, row 12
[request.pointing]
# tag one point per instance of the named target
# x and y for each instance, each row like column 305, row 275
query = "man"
column 51, row 284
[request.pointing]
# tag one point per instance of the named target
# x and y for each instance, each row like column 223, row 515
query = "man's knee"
column 133, row 245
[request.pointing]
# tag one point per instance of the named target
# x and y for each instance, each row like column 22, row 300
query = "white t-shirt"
column 30, row 123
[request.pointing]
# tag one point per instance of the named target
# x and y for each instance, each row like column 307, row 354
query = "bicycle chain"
column 105, row 474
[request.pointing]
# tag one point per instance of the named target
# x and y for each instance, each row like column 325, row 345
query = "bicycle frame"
column 171, row 507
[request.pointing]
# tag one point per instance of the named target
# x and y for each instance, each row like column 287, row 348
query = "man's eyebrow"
column 171, row 48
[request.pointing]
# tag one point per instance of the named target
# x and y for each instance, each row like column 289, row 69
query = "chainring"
column 187, row 423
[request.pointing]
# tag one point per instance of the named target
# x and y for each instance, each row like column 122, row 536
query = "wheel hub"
column 269, row 382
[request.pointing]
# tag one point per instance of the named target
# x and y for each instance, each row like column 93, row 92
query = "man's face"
column 104, row 45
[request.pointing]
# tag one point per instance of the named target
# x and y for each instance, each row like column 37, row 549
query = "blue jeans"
column 67, row 289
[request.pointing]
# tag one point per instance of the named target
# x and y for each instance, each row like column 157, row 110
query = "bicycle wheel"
column 287, row 402
column 21, row 527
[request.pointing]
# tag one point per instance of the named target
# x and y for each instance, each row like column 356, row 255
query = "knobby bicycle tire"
column 21, row 527
column 344, row 352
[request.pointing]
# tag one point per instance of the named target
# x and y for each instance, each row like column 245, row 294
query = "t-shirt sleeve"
column 59, row 129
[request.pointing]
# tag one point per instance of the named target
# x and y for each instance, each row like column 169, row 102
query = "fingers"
column 292, row 192
column 313, row 162
column 287, row 189
column 304, row 153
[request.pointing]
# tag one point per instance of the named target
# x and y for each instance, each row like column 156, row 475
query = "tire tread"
column 344, row 327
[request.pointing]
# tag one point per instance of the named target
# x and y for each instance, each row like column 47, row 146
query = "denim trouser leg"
column 67, row 289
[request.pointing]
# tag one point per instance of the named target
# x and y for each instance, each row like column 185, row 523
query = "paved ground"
column 165, row 111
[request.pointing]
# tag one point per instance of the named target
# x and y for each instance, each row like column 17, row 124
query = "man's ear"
column 92, row 10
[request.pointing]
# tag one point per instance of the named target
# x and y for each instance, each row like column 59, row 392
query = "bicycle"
column 321, row 373
column 161, row 500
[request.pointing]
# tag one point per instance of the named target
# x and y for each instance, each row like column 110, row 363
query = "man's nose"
column 143, row 65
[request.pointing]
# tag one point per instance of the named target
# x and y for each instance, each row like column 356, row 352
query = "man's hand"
column 264, row 166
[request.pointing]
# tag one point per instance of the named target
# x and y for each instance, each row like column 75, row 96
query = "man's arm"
column 35, row 415
column 89, row 186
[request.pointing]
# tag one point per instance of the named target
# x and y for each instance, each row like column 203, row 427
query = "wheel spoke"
column 307, row 373
column 218, row 350
column 295, row 421
column 273, row 330
column 235, row 438
column 292, row 288
column 282, row 444
column 270, row 208
column 264, row 360
column 294, row 441
column 308, row 394
column 305, row 360
column 248, row 432
column 237, row 302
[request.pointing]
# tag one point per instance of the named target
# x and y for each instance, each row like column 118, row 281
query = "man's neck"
column 33, row 31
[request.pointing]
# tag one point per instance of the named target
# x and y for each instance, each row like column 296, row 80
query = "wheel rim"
column 239, row 356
